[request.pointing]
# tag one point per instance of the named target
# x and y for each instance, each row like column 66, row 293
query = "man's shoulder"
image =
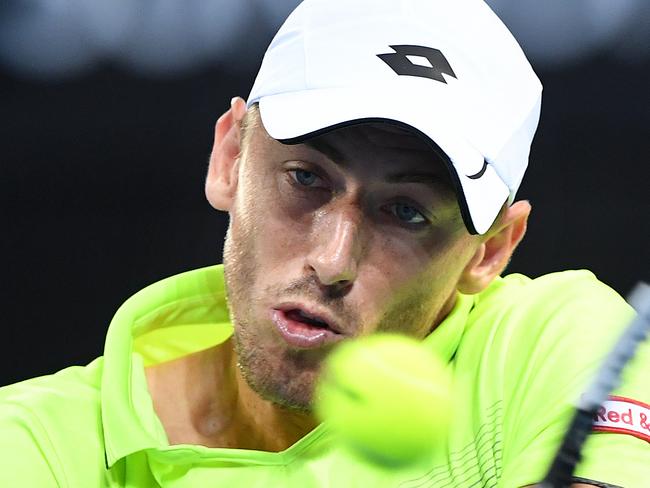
column 70, row 387
column 556, row 321
column 576, row 296
column 557, row 286
column 53, row 421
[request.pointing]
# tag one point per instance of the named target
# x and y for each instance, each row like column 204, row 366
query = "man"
column 370, row 185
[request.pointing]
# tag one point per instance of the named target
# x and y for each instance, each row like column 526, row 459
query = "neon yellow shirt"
column 521, row 351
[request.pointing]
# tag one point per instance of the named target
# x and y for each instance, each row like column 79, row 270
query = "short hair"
column 249, row 122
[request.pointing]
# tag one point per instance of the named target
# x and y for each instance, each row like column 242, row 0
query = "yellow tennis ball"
column 387, row 397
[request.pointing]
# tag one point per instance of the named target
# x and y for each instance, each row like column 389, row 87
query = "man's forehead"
column 387, row 138
column 383, row 134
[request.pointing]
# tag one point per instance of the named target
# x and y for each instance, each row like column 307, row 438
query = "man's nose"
column 337, row 249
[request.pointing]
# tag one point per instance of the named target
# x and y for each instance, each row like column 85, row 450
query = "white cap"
column 449, row 69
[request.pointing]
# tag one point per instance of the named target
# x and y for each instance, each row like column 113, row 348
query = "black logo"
column 402, row 65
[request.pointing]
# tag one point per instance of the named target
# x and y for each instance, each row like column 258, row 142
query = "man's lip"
column 314, row 312
column 302, row 335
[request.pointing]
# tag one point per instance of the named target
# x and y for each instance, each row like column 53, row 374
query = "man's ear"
column 493, row 254
column 223, row 171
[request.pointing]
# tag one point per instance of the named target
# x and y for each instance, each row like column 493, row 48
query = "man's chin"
column 293, row 394
column 287, row 383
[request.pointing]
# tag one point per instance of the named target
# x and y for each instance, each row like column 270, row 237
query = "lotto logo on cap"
column 425, row 62
column 449, row 69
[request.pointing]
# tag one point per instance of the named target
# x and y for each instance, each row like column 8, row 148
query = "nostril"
column 338, row 289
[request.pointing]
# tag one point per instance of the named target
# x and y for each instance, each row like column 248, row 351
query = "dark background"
column 101, row 187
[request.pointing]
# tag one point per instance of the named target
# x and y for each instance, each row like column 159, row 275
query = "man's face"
column 356, row 232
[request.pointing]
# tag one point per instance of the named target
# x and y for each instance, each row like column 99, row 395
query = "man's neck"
column 203, row 399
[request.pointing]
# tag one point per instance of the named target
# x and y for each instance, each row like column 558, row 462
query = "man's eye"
column 407, row 213
column 305, row 178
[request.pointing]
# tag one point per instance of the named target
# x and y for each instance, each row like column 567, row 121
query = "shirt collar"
column 128, row 419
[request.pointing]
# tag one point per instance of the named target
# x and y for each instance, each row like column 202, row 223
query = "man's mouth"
column 302, row 316
column 305, row 329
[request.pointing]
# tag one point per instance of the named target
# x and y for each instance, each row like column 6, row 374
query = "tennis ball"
column 387, row 397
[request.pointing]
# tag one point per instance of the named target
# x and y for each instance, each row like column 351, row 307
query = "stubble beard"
column 274, row 378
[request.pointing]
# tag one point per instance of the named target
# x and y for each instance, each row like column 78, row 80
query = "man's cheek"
column 372, row 305
column 284, row 239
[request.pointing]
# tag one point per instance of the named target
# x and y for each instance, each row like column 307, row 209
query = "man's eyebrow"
column 435, row 180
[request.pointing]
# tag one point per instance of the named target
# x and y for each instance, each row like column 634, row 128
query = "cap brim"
column 296, row 116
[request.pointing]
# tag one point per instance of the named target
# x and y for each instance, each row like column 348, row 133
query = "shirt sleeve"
column 26, row 456
column 551, row 359
column 621, row 456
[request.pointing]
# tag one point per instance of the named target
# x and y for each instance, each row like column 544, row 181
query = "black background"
column 101, row 186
